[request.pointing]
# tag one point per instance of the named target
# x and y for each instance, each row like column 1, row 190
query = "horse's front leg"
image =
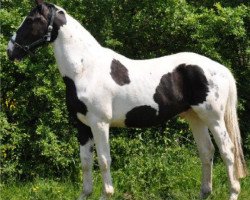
column 85, row 138
column 100, row 132
column 206, row 151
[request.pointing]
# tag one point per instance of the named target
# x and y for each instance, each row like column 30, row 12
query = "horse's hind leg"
column 205, row 148
column 216, row 124
column 226, row 147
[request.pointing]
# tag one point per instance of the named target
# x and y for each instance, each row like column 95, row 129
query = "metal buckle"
column 26, row 48
column 47, row 37
column 50, row 28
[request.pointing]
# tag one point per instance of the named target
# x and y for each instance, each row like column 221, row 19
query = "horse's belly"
column 145, row 113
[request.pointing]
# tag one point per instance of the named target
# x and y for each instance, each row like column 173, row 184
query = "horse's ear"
column 39, row 2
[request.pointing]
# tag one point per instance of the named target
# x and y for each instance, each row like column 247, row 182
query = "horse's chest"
column 74, row 105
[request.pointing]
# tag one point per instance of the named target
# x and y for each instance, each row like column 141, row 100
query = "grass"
column 40, row 189
column 141, row 172
column 129, row 186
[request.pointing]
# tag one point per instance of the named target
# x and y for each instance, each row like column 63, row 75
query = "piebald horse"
column 105, row 89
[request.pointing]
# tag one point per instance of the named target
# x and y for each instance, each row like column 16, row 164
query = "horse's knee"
column 86, row 162
column 86, row 167
column 227, row 156
column 210, row 150
column 104, row 163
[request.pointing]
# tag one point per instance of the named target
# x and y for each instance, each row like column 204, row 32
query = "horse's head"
column 38, row 28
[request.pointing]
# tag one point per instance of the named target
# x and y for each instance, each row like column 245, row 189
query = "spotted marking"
column 224, row 133
column 211, row 83
column 119, row 73
column 216, row 87
column 216, row 94
column 209, row 107
column 213, row 73
column 221, row 107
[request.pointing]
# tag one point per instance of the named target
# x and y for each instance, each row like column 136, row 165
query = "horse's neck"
column 75, row 48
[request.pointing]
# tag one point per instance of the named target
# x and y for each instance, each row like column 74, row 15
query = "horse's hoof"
column 233, row 196
column 205, row 193
column 109, row 191
column 83, row 196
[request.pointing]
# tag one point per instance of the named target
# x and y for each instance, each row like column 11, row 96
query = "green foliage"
column 170, row 173
column 36, row 138
column 40, row 190
column 150, row 170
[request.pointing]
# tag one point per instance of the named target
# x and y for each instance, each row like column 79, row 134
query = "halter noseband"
column 45, row 38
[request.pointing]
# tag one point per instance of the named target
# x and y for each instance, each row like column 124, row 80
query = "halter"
column 45, row 38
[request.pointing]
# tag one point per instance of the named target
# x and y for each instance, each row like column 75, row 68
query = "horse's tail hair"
column 231, row 120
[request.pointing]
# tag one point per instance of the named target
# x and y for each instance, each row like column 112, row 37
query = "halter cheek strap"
column 50, row 27
column 44, row 39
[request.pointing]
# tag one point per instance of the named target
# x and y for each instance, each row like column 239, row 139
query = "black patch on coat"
column 119, row 73
column 73, row 103
column 141, row 116
column 75, row 106
column 192, row 83
column 177, row 92
column 84, row 133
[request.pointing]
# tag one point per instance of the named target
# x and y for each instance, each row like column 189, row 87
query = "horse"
column 105, row 89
